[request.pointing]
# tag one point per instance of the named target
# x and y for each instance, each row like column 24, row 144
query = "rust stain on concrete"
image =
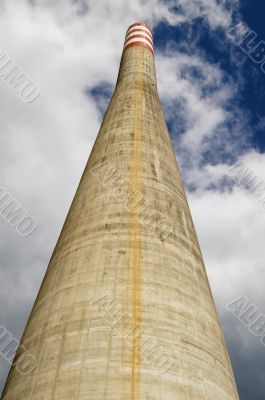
column 135, row 241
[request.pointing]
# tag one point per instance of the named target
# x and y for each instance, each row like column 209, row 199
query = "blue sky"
column 253, row 95
column 213, row 99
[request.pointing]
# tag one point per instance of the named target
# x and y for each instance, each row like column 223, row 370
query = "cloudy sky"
column 213, row 98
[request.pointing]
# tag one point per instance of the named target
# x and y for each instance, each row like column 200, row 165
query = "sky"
column 213, row 98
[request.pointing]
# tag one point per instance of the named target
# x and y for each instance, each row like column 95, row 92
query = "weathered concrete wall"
column 125, row 310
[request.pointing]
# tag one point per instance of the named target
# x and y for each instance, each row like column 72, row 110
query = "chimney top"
column 142, row 24
column 139, row 34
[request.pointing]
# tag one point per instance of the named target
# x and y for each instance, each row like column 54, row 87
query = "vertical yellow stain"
column 135, row 240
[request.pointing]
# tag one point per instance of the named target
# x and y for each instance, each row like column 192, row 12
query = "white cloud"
column 215, row 12
column 201, row 96
column 230, row 225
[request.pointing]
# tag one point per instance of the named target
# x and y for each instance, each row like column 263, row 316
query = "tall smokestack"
column 125, row 310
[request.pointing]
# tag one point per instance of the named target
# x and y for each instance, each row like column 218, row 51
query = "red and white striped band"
column 139, row 34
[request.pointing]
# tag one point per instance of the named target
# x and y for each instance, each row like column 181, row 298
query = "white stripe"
column 140, row 27
column 138, row 40
column 139, row 33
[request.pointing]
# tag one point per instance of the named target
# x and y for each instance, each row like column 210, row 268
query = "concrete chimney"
column 125, row 311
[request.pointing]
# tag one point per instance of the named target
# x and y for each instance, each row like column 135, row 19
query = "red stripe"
column 142, row 30
column 139, row 36
column 139, row 44
column 140, row 23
